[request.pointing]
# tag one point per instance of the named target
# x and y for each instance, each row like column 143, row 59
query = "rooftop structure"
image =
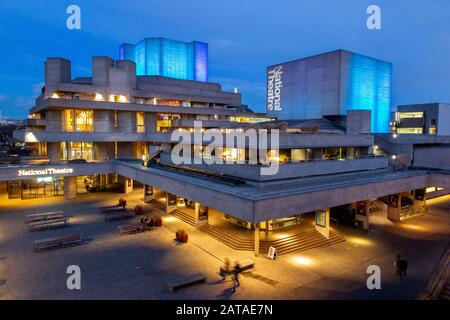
column 168, row 58
column 331, row 84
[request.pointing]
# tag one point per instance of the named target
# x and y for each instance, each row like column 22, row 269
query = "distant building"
column 427, row 118
column 330, row 84
column 168, row 58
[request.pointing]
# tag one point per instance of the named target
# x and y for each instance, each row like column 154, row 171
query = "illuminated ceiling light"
column 99, row 97
column 123, row 98
column 30, row 137
column 55, row 96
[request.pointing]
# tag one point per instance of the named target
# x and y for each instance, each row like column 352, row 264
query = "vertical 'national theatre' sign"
column 274, row 85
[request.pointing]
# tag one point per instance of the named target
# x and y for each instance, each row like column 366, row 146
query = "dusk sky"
column 244, row 37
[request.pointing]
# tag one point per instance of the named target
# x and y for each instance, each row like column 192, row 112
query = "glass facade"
column 78, row 120
column 168, row 58
column 77, row 150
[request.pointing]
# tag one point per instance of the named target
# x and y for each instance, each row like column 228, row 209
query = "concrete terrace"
column 137, row 266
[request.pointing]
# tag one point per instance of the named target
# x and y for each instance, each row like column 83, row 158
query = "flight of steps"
column 445, row 293
column 299, row 242
column 177, row 213
column 229, row 239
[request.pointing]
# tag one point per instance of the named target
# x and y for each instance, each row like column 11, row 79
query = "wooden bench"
column 133, row 228
column 43, row 216
column 49, row 224
column 122, row 214
column 57, row 242
column 103, row 210
column 183, row 281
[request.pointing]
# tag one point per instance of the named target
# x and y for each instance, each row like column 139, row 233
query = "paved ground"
column 137, row 266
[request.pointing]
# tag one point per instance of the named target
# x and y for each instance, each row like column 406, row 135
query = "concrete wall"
column 103, row 121
column 53, row 120
column 432, row 157
column 443, row 121
column 358, row 121
column 292, row 170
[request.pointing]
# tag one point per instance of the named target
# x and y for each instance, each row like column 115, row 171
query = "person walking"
column 236, row 271
column 402, row 266
column 226, row 269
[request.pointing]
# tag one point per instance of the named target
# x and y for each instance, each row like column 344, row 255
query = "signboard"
column 149, row 190
column 171, row 199
column 173, row 103
column 274, row 85
column 321, row 218
column 361, row 208
column 393, row 200
column 272, row 254
column 43, row 172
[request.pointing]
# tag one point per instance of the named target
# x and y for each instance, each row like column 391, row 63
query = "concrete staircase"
column 445, row 293
column 177, row 213
column 301, row 242
column 230, row 240
column 295, row 243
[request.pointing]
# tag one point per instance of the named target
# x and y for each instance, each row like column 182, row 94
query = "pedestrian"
column 226, row 269
column 402, row 266
column 236, row 271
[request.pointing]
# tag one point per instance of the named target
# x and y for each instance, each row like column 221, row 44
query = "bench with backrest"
column 133, row 228
column 57, row 242
column 49, row 224
column 121, row 205
column 184, row 281
column 43, row 216
column 122, row 214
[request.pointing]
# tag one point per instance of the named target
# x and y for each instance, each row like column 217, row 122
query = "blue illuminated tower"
column 168, row 58
column 330, row 84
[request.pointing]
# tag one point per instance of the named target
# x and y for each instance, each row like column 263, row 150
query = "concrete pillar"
column 70, row 188
column 394, row 207
column 362, row 213
column 322, row 223
column 266, row 231
column 171, row 202
column 257, row 236
column 127, row 185
column 197, row 213
column 420, row 201
column 149, row 193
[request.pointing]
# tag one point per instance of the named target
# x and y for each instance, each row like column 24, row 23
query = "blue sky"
column 244, row 36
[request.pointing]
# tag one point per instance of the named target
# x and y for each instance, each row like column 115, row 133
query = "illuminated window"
column 164, row 122
column 76, row 150
column 432, row 130
column 78, row 120
column 410, row 130
column 117, row 98
column 140, row 128
column 407, row 115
